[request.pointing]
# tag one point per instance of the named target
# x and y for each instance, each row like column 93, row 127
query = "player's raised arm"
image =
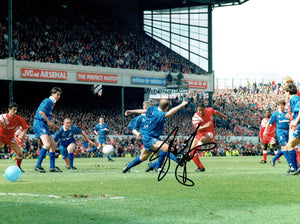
column 218, row 113
column 138, row 111
column 175, row 109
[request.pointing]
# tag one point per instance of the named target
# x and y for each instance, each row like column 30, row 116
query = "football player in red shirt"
column 9, row 122
column 269, row 137
column 206, row 131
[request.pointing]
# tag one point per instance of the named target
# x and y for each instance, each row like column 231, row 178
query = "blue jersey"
column 295, row 105
column 138, row 123
column 46, row 106
column 156, row 122
column 281, row 121
column 102, row 129
column 66, row 137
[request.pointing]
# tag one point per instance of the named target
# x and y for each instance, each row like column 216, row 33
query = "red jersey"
column 271, row 129
column 8, row 125
column 208, row 116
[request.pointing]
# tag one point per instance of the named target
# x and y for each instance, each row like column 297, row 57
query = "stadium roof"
column 142, row 4
column 158, row 4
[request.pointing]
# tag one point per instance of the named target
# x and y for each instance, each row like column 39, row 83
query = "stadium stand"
column 90, row 41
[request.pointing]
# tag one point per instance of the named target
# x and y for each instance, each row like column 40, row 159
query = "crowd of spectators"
column 88, row 40
column 245, row 106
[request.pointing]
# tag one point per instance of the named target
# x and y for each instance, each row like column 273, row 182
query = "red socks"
column 196, row 160
column 19, row 161
column 264, row 156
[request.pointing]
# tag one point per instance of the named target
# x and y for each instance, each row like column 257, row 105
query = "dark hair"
column 12, row 104
column 55, row 90
column 291, row 89
column 201, row 104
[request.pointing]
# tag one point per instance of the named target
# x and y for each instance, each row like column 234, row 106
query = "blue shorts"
column 296, row 133
column 282, row 136
column 102, row 141
column 40, row 128
column 63, row 151
column 63, row 147
column 148, row 141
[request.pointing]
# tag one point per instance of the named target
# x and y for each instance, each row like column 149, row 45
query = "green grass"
column 232, row 190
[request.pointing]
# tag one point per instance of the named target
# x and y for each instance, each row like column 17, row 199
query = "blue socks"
column 52, row 159
column 293, row 158
column 161, row 158
column 280, row 153
column 173, row 157
column 135, row 162
column 153, row 165
column 156, row 163
column 42, row 155
column 286, row 155
column 71, row 158
column 93, row 149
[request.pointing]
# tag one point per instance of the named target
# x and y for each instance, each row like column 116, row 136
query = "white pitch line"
column 62, row 197
column 32, row 195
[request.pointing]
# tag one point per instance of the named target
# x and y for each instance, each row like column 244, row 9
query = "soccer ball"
column 12, row 173
column 108, row 150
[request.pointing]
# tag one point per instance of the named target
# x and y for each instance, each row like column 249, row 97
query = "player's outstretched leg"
column 110, row 159
column 277, row 156
column 151, row 166
column 135, row 162
column 143, row 157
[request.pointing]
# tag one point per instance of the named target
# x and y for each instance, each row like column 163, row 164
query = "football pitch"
column 232, row 190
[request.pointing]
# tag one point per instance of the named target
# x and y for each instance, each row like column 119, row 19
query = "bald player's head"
column 164, row 104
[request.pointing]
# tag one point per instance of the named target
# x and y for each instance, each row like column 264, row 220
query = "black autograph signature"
column 183, row 156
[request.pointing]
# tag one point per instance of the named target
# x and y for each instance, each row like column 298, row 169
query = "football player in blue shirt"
column 102, row 130
column 137, row 126
column 291, row 90
column 279, row 119
column 42, row 121
column 151, row 135
column 67, row 142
